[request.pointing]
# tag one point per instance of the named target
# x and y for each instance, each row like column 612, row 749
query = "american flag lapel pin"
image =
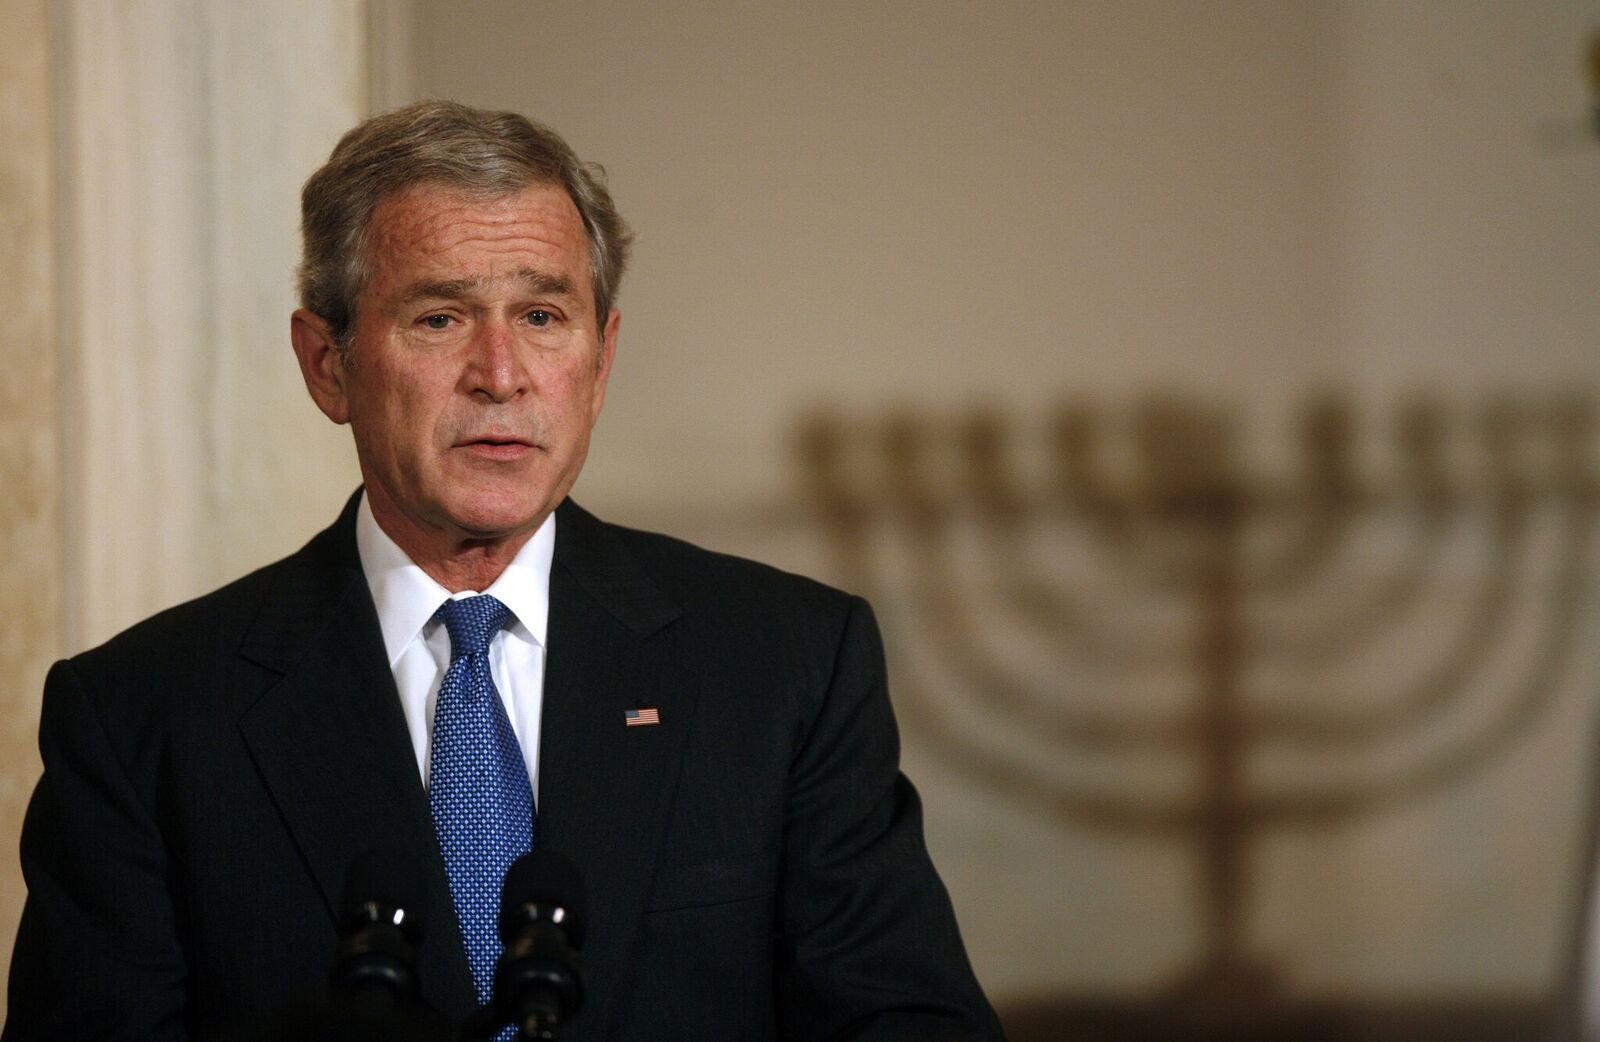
column 645, row 717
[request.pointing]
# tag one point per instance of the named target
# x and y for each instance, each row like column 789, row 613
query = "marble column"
column 155, row 440
column 192, row 452
column 30, row 506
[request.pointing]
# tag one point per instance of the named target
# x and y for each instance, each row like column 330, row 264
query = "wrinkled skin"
column 477, row 370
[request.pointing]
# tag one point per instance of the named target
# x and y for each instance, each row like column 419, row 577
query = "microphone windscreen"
column 384, row 875
column 546, row 879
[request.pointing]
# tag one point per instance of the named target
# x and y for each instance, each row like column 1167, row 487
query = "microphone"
column 538, row 982
column 379, row 926
column 372, row 991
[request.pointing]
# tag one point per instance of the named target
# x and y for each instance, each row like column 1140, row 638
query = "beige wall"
column 940, row 201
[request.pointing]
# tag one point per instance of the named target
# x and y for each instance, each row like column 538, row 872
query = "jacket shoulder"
column 199, row 637
column 694, row 575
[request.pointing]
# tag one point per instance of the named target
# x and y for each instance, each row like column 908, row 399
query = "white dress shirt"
column 419, row 648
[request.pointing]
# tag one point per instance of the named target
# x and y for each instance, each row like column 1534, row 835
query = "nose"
column 494, row 370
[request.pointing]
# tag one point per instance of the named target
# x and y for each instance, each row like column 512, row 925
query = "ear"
column 321, row 365
column 608, row 354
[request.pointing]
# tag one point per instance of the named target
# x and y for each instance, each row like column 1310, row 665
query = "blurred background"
column 1203, row 393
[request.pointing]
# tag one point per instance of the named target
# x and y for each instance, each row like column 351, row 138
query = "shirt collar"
column 406, row 597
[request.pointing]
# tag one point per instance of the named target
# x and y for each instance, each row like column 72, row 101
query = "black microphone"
column 372, row 991
column 538, row 981
column 378, row 925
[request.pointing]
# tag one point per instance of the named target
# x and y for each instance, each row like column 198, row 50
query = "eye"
column 539, row 318
column 436, row 321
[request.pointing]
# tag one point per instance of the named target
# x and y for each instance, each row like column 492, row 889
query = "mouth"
column 496, row 447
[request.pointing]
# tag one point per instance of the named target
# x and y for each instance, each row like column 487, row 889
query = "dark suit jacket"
column 755, row 864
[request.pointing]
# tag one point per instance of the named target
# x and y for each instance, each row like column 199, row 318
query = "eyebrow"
column 532, row 280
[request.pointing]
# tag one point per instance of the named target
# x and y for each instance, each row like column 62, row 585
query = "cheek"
column 395, row 420
column 412, row 399
column 577, row 387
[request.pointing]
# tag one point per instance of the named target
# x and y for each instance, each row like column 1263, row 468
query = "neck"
column 473, row 564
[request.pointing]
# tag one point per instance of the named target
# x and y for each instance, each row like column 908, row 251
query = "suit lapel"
column 331, row 745
column 605, row 788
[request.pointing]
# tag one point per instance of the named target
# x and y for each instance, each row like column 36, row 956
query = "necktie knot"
column 472, row 622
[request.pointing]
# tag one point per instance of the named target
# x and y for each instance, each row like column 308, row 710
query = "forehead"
column 431, row 232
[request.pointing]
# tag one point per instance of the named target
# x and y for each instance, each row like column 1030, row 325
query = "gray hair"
column 443, row 143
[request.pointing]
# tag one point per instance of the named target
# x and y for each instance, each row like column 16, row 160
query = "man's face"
column 477, row 366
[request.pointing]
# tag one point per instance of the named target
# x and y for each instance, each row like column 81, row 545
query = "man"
column 709, row 740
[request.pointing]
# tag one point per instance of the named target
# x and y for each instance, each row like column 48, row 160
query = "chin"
column 499, row 519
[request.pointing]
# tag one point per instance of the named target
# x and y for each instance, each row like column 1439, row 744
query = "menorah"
column 1252, row 583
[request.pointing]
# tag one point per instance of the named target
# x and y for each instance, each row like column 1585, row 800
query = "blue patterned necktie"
column 477, row 782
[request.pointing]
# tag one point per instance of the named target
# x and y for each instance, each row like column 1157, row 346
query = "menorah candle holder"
column 1251, row 585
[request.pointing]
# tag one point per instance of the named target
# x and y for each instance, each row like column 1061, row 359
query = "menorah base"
column 1460, row 1018
column 1226, row 982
